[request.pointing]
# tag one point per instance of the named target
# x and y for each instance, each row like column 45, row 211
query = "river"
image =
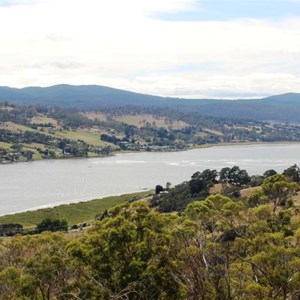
column 32, row 185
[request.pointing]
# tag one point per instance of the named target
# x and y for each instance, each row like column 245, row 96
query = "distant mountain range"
column 285, row 107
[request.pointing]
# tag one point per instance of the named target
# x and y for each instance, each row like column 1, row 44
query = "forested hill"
column 83, row 97
column 284, row 107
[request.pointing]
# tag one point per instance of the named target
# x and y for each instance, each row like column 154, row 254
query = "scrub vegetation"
column 208, row 246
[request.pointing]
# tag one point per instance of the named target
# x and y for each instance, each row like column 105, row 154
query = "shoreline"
column 70, row 202
column 204, row 146
column 75, row 212
column 141, row 189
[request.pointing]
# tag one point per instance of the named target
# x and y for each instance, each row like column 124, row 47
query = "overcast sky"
column 182, row 48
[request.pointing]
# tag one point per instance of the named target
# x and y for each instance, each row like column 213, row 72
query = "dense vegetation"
column 216, row 248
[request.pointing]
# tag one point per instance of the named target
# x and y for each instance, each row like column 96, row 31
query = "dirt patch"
column 248, row 191
column 216, row 189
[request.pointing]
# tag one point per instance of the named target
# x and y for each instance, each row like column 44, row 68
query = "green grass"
column 17, row 127
column 141, row 120
column 74, row 213
column 92, row 138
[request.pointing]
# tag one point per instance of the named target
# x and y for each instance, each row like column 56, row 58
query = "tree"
column 37, row 267
column 269, row 173
column 293, row 173
column 234, row 176
column 176, row 199
column 158, row 189
column 52, row 225
column 278, row 189
column 201, row 181
column 27, row 154
column 129, row 256
column 10, row 229
column 224, row 175
column 257, row 197
column 238, row 177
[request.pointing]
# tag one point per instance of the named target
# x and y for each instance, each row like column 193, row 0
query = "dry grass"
column 248, row 191
column 91, row 138
column 141, row 120
column 16, row 127
column 296, row 199
column 4, row 145
column 42, row 119
column 216, row 189
column 96, row 115
column 201, row 134
column 35, row 146
column 213, row 131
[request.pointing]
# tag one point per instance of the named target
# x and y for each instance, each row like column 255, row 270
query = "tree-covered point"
column 278, row 187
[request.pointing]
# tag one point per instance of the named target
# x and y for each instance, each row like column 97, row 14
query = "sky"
column 181, row 48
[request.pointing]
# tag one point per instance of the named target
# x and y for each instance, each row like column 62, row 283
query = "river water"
column 32, row 185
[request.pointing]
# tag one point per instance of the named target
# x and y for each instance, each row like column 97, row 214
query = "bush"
column 10, row 229
column 52, row 225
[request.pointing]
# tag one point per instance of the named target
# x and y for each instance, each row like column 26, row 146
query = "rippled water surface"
column 32, row 185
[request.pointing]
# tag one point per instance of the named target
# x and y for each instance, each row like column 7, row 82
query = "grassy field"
column 33, row 146
column 74, row 213
column 213, row 131
column 4, row 145
column 96, row 115
column 41, row 119
column 141, row 120
column 16, row 127
column 91, row 138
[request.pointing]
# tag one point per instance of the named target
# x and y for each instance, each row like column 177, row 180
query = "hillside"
column 39, row 132
column 219, row 246
column 82, row 97
column 285, row 107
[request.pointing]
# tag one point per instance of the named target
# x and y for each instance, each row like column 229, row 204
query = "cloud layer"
column 123, row 44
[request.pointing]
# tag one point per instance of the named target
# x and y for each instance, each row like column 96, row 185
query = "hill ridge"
column 282, row 107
